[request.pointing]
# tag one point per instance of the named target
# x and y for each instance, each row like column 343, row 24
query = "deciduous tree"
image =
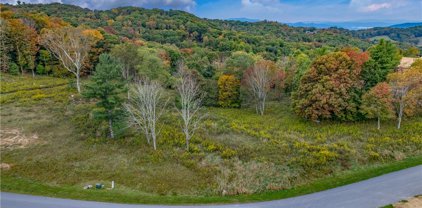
column 406, row 86
column 325, row 90
column 378, row 103
column 228, row 91
column 144, row 108
column 259, row 80
column 190, row 103
column 71, row 46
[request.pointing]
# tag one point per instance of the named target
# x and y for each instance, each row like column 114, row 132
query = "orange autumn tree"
column 25, row 43
column 327, row 90
column 378, row 103
column 407, row 87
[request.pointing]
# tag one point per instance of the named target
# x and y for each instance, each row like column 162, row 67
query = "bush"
column 40, row 69
column 13, row 69
column 228, row 153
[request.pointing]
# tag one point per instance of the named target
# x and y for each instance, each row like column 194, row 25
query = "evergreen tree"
column 107, row 87
column 384, row 58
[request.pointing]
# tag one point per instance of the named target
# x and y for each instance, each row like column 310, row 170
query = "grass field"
column 236, row 152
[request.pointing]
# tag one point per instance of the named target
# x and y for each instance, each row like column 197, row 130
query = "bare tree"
column 405, row 87
column 144, row 110
column 190, row 103
column 400, row 93
column 70, row 46
column 258, row 79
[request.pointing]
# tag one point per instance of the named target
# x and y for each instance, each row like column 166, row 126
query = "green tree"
column 384, row 58
column 107, row 87
column 40, row 69
column 378, row 103
column 127, row 54
column 412, row 52
column 13, row 68
column 239, row 61
column 302, row 63
column 151, row 66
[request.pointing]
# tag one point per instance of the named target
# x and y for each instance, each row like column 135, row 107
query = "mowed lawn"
column 52, row 146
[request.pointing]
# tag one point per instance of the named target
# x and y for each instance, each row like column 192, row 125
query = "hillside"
column 186, row 30
column 407, row 25
column 405, row 35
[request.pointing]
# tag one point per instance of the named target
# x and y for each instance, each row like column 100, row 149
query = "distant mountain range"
column 407, row 25
column 242, row 19
column 347, row 25
column 351, row 25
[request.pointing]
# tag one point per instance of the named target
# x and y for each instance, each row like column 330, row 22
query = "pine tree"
column 384, row 59
column 107, row 87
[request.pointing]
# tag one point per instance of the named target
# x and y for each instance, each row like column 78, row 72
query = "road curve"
column 371, row 193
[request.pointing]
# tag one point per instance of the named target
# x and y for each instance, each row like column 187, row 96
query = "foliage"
column 384, row 59
column 238, row 62
column 378, row 102
column 407, row 88
column 228, row 91
column 13, row 69
column 326, row 89
column 107, row 87
column 127, row 54
column 152, row 65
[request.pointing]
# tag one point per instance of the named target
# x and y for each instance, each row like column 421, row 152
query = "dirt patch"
column 414, row 202
column 5, row 166
column 14, row 138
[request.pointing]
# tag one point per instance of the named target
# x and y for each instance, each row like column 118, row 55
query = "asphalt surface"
column 371, row 193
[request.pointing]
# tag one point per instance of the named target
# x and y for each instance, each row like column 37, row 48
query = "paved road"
column 372, row 193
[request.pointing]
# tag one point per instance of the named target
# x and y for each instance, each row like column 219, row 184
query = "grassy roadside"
column 22, row 185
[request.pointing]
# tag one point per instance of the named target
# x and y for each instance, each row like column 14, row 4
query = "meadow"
column 236, row 155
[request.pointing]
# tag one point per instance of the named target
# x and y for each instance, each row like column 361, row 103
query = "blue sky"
column 278, row 10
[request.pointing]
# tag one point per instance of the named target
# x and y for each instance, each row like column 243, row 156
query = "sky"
column 276, row 10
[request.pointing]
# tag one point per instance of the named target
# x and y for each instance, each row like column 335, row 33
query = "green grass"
column 21, row 185
column 250, row 157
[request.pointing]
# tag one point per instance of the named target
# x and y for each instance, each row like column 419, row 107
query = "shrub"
column 40, row 69
column 228, row 153
column 13, row 68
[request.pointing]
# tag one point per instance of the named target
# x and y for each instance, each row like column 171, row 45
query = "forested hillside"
column 406, row 35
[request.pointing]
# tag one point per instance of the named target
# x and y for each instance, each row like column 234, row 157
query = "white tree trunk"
column 190, row 101
column 78, row 83
column 110, row 127
column 144, row 110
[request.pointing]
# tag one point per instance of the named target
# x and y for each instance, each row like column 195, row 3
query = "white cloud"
column 379, row 5
column 261, row 5
column 376, row 7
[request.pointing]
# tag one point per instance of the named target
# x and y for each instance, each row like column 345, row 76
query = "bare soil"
column 414, row 202
column 14, row 138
